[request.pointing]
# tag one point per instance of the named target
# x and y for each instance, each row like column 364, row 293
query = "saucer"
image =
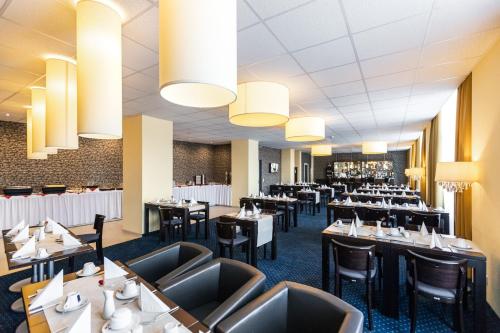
column 122, row 297
column 134, row 321
column 60, row 306
column 80, row 272
column 396, row 235
column 466, row 247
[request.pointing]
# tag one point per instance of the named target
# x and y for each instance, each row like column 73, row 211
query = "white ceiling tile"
column 349, row 100
column 437, row 86
column 257, row 44
column 266, row 8
column 390, row 81
column 136, row 56
column 445, row 71
column 142, row 82
column 131, row 8
column 390, row 103
column 337, row 75
column 152, row 71
column 144, row 29
column 303, row 89
column 246, row 16
column 392, row 63
column 345, row 89
column 314, row 23
column 358, row 108
column 395, row 37
column 390, row 93
column 129, row 93
column 335, row 53
column 126, row 71
column 365, row 14
column 276, row 69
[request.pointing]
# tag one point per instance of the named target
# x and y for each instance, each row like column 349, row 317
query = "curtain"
column 463, row 152
column 434, row 196
column 423, row 164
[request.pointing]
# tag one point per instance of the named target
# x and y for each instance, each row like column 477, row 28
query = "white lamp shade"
column 38, row 111
column 99, row 70
column 198, row 52
column 466, row 172
column 374, row 147
column 260, row 104
column 305, row 129
column 61, row 117
column 321, row 150
column 29, row 139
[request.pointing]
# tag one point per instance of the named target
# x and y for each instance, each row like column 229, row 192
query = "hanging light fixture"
column 321, row 150
column 305, row 129
column 99, row 71
column 29, row 139
column 198, row 52
column 374, row 147
column 456, row 176
column 61, row 117
column 38, row 110
column 260, row 104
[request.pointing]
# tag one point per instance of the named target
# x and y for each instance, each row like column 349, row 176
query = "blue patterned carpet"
column 299, row 259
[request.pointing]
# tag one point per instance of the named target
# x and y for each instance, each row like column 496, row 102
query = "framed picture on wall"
column 274, row 167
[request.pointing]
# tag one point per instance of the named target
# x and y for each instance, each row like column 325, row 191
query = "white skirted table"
column 69, row 209
column 214, row 194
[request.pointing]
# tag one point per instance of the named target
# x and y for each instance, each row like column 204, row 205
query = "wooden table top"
column 37, row 323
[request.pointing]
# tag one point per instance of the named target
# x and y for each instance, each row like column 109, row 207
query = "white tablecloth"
column 69, row 209
column 214, row 194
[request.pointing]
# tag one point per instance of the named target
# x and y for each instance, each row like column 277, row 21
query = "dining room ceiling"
column 373, row 69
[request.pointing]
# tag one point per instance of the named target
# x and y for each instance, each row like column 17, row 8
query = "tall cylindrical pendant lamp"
column 61, row 117
column 29, row 139
column 198, row 52
column 374, row 147
column 305, row 129
column 38, row 111
column 260, row 104
column 99, row 70
column 321, row 150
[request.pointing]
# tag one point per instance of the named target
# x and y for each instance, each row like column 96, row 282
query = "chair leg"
column 413, row 311
column 379, row 262
column 100, row 253
column 248, row 253
column 197, row 228
column 369, row 303
column 222, row 251
column 231, row 252
column 265, row 250
column 338, row 289
column 460, row 316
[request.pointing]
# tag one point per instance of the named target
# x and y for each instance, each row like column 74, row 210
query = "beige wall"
column 244, row 169
column 287, row 165
column 485, row 150
column 298, row 164
column 147, row 167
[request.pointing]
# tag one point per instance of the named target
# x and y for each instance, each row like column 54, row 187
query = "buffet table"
column 69, row 209
column 214, row 194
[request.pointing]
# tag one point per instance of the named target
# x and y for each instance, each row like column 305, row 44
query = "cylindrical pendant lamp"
column 321, row 150
column 29, row 139
column 374, row 147
column 198, row 61
column 99, row 70
column 260, row 104
column 305, row 129
column 38, row 111
column 61, row 117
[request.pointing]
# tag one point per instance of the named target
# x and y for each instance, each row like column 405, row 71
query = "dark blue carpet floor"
column 299, row 260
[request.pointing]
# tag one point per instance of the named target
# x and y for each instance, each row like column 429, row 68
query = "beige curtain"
column 434, row 197
column 423, row 164
column 463, row 152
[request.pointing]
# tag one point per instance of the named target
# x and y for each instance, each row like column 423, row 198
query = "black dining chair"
column 371, row 215
column 168, row 223
column 227, row 236
column 199, row 217
column 355, row 263
column 432, row 220
column 440, row 280
column 271, row 207
column 247, row 203
column 305, row 199
column 344, row 213
column 96, row 237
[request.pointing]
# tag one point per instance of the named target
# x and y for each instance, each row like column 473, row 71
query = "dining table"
column 392, row 248
column 181, row 210
column 285, row 202
column 41, row 321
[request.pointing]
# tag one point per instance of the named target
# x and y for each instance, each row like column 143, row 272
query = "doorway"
column 307, row 175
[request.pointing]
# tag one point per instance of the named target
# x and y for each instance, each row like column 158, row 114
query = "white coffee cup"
column 461, row 242
column 129, row 289
column 171, row 327
column 406, row 234
column 73, row 299
column 42, row 253
column 339, row 223
column 120, row 318
column 394, row 231
column 401, row 229
column 380, row 233
column 88, row 268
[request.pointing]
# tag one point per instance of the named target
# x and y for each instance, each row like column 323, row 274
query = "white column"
column 287, row 165
column 298, row 165
column 244, row 169
column 147, row 167
column 311, row 170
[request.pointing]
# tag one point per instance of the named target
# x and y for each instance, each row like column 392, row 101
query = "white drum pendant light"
column 198, row 52
column 260, row 104
column 321, row 150
column 38, row 111
column 99, row 70
column 29, row 139
column 61, row 129
column 374, row 147
column 305, row 129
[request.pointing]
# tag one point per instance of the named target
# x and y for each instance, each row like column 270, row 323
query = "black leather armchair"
column 291, row 307
column 215, row 290
column 162, row 265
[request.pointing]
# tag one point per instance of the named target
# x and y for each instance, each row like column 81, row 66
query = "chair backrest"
column 360, row 258
column 226, row 229
column 270, row 205
column 344, row 213
column 432, row 220
column 246, row 202
column 99, row 223
column 302, row 196
column 448, row 274
column 376, row 214
column 166, row 214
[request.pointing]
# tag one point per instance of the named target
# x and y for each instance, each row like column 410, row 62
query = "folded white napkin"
column 41, row 233
column 179, row 204
column 112, row 270
column 58, row 229
column 284, row 195
column 255, row 210
column 348, row 200
column 18, row 227
column 352, row 231
column 29, row 248
column 358, row 221
column 83, row 322
column 193, row 202
column 241, row 214
column 22, row 235
column 378, row 192
column 435, row 242
column 354, row 192
column 384, row 204
column 149, row 302
column 403, row 194
column 423, row 230
column 52, row 292
column 70, row 241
